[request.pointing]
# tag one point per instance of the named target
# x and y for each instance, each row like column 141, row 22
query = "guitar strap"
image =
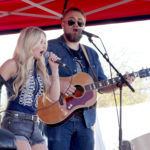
column 86, row 56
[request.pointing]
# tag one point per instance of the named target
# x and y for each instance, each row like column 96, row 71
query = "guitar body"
column 53, row 113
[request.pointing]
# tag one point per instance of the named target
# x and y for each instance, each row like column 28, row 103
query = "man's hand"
column 64, row 85
column 129, row 78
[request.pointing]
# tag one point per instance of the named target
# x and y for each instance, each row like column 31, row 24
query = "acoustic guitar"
column 55, row 113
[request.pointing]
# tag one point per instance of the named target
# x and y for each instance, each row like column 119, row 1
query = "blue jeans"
column 23, row 129
column 73, row 135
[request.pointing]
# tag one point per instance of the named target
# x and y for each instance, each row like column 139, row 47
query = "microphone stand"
column 122, row 81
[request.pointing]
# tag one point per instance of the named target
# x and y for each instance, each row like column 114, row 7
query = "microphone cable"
column 110, row 70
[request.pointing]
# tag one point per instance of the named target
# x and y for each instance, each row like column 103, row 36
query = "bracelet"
column 55, row 77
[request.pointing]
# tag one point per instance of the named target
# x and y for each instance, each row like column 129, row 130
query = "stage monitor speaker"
column 141, row 142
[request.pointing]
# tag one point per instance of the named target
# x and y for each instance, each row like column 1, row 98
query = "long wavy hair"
column 23, row 55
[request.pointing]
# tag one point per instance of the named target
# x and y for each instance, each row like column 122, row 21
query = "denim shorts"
column 27, row 130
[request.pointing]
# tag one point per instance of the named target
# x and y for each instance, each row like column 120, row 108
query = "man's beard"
column 73, row 37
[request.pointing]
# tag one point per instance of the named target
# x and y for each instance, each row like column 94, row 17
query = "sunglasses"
column 71, row 22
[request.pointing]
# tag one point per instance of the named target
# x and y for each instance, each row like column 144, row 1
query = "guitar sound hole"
column 79, row 91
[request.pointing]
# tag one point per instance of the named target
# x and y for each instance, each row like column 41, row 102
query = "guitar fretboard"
column 102, row 84
column 114, row 81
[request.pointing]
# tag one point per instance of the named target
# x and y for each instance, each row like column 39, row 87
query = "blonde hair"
column 23, row 55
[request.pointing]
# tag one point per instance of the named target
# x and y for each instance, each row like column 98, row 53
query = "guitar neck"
column 106, row 83
column 102, row 84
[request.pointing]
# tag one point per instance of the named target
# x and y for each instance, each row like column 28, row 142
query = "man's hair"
column 73, row 9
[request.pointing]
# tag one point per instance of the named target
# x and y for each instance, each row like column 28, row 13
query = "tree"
column 141, row 86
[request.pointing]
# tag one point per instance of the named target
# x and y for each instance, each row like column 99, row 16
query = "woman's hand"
column 52, row 60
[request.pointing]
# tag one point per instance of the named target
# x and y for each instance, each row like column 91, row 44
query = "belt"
column 79, row 115
column 22, row 116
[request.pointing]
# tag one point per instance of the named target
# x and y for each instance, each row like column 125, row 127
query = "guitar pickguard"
column 72, row 102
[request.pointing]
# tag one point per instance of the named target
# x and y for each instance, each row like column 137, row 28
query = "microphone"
column 87, row 33
column 47, row 55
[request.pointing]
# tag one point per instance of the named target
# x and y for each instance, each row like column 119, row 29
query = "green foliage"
column 140, row 95
column 141, row 85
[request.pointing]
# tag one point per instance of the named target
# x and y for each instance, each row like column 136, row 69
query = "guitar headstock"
column 144, row 73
